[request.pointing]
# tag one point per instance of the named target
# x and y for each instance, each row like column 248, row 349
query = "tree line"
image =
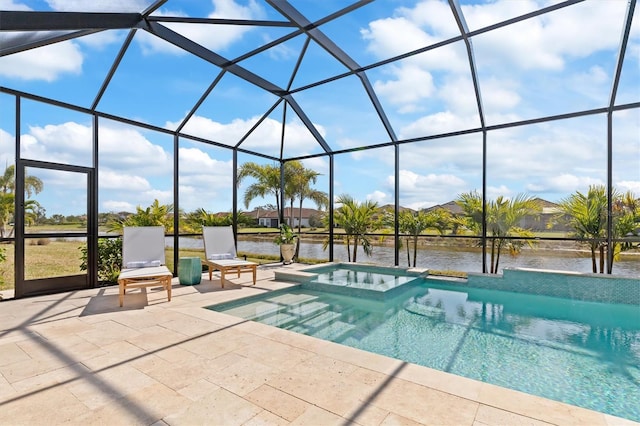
column 584, row 213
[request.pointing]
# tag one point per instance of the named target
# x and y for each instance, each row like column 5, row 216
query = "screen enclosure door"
column 56, row 228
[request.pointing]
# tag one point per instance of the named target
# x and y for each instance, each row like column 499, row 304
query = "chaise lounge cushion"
column 220, row 256
column 143, row 264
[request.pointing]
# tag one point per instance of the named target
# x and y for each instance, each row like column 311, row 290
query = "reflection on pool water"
column 578, row 352
column 375, row 282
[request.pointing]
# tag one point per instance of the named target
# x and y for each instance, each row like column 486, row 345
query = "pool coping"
column 301, row 275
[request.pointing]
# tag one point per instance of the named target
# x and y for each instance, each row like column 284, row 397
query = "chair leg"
column 121, row 293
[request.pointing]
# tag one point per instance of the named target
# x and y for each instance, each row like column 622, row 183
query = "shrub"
column 43, row 241
column 109, row 259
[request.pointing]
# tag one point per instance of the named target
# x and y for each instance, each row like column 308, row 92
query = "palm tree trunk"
column 291, row 216
column 594, row 266
column 498, row 256
column 493, row 256
column 493, row 251
column 348, row 249
column 415, row 249
column 408, row 252
column 355, row 247
column 300, row 215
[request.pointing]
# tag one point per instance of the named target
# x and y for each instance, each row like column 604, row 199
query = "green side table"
column 189, row 270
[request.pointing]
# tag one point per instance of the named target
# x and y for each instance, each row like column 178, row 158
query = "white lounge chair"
column 143, row 260
column 220, row 253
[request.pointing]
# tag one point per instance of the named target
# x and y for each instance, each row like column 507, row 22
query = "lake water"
column 439, row 258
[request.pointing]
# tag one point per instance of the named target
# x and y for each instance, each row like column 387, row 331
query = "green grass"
column 53, row 258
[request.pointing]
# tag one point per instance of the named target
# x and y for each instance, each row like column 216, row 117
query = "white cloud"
column 494, row 192
column 204, row 127
column 441, row 122
column 265, row 138
column 205, row 182
column 628, row 185
column 7, row 144
column 102, row 39
column 499, row 94
column 430, row 21
column 98, row 6
column 69, row 143
column 123, row 147
column 457, row 94
column 43, row 63
column 379, row 197
column 569, row 183
column 117, row 206
column 420, row 191
column 404, row 90
column 213, row 37
column 319, row 164
column 112, row 179
column 542, row 43
column 164, row 197
column 69, row 136
column 193, row 161
column 508, row 59
column 594, row 83
column 12, row 5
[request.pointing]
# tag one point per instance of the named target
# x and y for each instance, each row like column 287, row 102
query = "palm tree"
column 32, row 185
column 31, row 209
column 303, row 191
column 357, row 220
column 155, row 215
column 7, row 206
column 293, row 172
column 626, row 214
column 412, row 224
column 415, row 223
column 194, row 221
column 502, row 218
column 297, row 185
column 471, row 204
column 267, row 178
column 586, row 214
column 440, row 219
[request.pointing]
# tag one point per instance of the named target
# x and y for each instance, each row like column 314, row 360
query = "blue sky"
column 561, row 62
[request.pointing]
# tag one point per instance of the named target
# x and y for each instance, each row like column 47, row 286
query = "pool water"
column 582, row 353
column 355, row 280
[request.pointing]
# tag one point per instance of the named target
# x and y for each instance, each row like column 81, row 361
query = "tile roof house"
column 269, row 218
column 539, row 222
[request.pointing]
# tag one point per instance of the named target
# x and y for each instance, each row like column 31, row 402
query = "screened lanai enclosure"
column 503, row 127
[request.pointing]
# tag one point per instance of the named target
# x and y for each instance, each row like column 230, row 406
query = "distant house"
column 452, row 207
column 544, row 221
column 390, row 208
column 270, row 219
column 539, row 222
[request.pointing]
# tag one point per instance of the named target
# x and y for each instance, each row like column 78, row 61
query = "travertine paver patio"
column 77, row 358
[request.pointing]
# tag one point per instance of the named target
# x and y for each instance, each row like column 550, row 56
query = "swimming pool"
column 580, row 352
column 373, row 282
